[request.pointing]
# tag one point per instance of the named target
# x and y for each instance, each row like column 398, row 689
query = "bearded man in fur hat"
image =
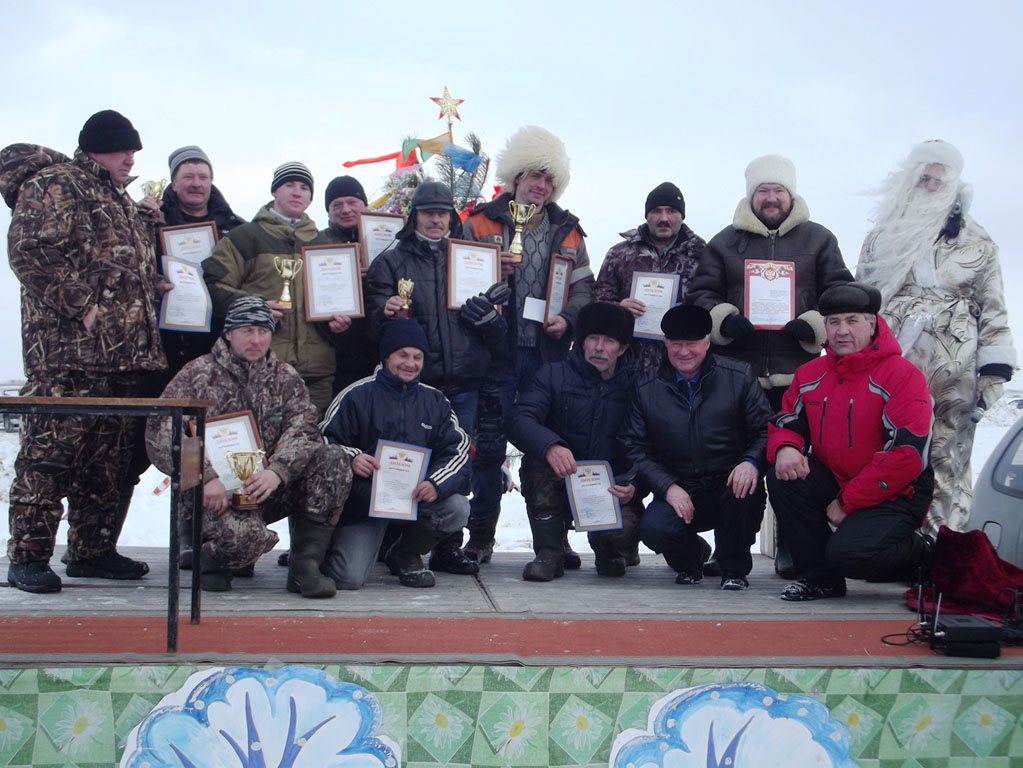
column 942, row 296
column 532, row 169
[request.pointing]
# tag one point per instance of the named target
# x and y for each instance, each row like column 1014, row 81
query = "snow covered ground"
column 147, row 521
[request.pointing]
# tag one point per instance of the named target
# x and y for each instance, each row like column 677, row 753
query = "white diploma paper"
column 770, row 292
column 534, row 309
column 333, row 283
column 402, row 468
column 188, row 306
column 659, row 292
column 472, row 269
column 377, row 231
column 190, row 242
column 232, row 432
column 593, row 506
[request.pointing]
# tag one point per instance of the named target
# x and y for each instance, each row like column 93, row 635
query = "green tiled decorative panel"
column 533, row 716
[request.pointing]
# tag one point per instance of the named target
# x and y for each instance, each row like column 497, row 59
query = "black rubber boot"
column 480, row 546
column 607, row 554
column 309, row 545
column 213, row 578
column 185, row 537
column 405, row 557
column 448, row 557
column 570, row 557
column 548, row 544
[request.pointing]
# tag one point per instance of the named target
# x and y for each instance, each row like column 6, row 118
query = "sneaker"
column 35, row 577
column 478, row 551
column 689, row 577
column 109, row 566
column 804, row 589
column 734, row 583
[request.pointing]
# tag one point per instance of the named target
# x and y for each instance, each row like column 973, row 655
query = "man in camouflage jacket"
column 305, row 479
column 89, row 296
column 663, row 244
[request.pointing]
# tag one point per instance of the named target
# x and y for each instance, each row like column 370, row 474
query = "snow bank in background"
column 147, row 523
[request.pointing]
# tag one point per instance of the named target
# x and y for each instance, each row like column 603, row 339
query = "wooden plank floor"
column 494, row 617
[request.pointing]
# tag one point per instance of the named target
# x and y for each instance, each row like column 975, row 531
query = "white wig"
column 908, row 220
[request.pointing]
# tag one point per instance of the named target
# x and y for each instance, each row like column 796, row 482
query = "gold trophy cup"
column 288, row 269
column 405, row 287
column 154, row 189
column 244, row 464
column 520, row 215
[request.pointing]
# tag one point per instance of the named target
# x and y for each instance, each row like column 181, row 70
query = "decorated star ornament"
column 448, row 105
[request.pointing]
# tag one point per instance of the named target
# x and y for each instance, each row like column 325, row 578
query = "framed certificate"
column 589, row 496
column 770, row 292
column 333, row 281
column 472, row 268
column 188, row 306
column 376, row 233
column 230, row 432
column 189, row 242
column 402, row 468
column 659, row 292
column 558, row 285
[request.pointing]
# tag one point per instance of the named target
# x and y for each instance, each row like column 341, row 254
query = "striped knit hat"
column 249, row 310
column 293, row 171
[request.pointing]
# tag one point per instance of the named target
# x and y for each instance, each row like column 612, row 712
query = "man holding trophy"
column 302, row 478
column 411, row 280
column 533, row 170
column 263, row 258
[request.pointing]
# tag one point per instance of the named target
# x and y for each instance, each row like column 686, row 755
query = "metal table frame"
column 140, row 406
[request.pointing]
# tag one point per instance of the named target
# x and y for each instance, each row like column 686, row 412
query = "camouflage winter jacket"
column 78, row 242
column 636, row 253
column 242, row 264
column 272, row 390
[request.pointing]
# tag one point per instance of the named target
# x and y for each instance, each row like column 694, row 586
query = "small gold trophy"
column 288, row 269
column 154, row 189
column 405, row 287
column 520, row 215
column 244, row 464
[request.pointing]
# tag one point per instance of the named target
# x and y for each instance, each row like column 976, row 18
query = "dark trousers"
column 735, row 522
column 875, row 543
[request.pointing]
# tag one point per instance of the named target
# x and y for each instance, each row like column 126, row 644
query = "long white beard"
column 900, row 247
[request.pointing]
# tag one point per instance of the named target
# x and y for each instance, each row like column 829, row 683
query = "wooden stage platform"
column 643, row 618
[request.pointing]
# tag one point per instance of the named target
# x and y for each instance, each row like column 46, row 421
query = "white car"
column 998, row 497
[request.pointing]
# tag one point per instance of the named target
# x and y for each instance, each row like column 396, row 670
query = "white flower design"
column 579, row 727
column 11, row 730
column 517, row 725
column 79, row 727
column 442, row 728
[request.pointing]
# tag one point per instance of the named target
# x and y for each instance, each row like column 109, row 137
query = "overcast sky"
column 640, row 92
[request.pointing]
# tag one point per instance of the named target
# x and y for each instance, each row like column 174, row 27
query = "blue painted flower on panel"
column 293, row 717
column 731, row 724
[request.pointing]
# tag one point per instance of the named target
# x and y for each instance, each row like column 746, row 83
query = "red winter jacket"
column 866, row 417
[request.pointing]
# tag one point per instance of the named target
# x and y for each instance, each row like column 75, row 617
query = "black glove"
column 479, row 315
column 996, row 369
column 800, row 330
column 736, row 327
column 498, row 293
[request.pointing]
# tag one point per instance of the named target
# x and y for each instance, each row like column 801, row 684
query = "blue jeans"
column 497, row 395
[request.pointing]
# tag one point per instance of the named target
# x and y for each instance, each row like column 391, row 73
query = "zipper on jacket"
column 848, row 419
column 824, row 407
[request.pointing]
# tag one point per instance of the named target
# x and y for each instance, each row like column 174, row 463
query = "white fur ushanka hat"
column 533, row 147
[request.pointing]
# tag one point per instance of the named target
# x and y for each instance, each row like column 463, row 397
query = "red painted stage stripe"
column 471, row 639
